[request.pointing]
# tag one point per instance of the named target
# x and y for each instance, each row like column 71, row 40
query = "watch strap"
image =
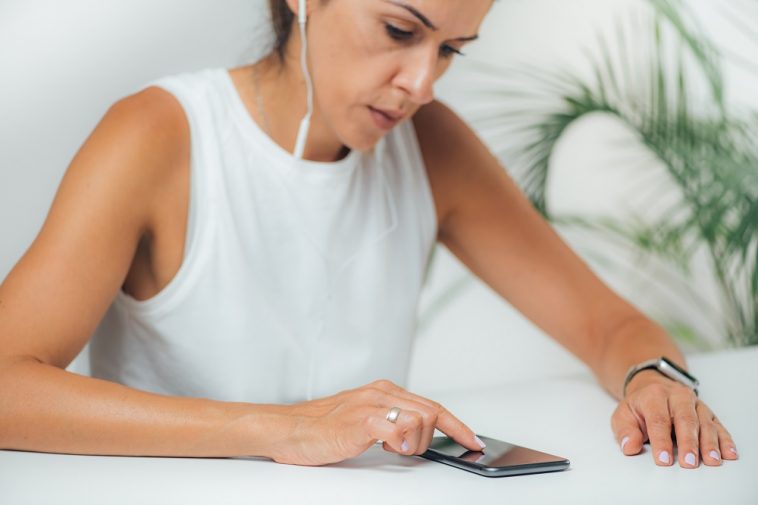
column 665, row 367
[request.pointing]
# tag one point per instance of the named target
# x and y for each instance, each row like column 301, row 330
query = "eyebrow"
column 425, row 20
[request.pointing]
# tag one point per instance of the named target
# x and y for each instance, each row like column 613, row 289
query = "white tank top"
column 299, row 279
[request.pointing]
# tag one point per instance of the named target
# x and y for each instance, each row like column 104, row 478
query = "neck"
column 283, row 94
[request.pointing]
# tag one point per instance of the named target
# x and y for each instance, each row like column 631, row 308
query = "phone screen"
column 498, row 458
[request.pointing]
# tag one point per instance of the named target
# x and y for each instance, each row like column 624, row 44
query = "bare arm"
column 491, row 226
column 487, row 222
column 55, row 296
column 52, row 300
column 47, row 409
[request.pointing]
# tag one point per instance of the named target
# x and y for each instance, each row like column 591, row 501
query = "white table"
column 569, row 417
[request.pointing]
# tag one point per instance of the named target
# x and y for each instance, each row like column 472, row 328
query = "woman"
column 209, row 262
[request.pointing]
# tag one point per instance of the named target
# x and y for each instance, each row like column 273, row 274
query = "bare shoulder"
column 106, row 202
column 458, row 164
column 441, row 132
column 141, row 145
column 132, row 154
column 153, row 123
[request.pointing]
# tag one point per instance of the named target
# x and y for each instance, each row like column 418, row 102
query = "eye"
column 446, row 51
column 396, row 33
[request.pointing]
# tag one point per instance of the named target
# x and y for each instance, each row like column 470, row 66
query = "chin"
column 362, row 142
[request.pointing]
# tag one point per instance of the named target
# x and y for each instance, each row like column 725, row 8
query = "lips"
column 397, row 116
column 385, row 119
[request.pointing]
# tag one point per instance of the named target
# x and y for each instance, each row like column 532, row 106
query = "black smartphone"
column 498, row 459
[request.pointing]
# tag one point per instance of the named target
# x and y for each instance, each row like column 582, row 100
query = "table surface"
column 568, row 416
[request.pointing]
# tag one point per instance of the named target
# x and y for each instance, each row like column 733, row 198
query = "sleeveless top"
column 300, row 279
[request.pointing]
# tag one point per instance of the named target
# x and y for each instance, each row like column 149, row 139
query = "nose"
column 417, row 76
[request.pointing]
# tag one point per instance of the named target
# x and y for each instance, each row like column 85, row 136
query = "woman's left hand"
column 653, row 406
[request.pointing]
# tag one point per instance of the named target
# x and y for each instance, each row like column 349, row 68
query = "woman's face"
column 374, row 62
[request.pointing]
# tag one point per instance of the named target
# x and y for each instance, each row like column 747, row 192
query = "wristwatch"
column 665, row 367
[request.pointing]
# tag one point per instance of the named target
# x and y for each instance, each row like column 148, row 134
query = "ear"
column 294, row 6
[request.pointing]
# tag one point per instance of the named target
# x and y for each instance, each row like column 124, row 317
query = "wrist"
column 266, row 429
column 644, row 378
column 665, row 368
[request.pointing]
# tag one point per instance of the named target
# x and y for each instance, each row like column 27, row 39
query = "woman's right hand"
column 339, row 427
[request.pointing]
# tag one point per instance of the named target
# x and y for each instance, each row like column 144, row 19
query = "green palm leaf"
column 708, row 152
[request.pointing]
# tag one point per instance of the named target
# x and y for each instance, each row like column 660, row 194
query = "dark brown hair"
column 281, row 20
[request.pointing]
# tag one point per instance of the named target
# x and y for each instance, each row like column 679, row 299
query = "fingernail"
column 714, row 455
column 404, row 445
column 690, row 459
column 624, row 441
column 734, row 450
column 478, row 441
column 664, row 457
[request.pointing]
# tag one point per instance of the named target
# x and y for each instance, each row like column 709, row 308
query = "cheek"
column 345, row 66
column 343, row 107
column 353, row 56
column 339, row 89
column 349, row 74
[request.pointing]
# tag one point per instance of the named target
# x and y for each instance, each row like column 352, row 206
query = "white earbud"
column 302, row 134
column 302, row 14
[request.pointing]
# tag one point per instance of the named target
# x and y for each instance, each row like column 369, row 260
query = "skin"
column 119, row 219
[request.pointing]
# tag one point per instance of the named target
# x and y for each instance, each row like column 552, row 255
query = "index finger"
column 447, row 423
column 453, row 427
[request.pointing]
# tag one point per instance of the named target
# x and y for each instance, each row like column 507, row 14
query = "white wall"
column 64, row 63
